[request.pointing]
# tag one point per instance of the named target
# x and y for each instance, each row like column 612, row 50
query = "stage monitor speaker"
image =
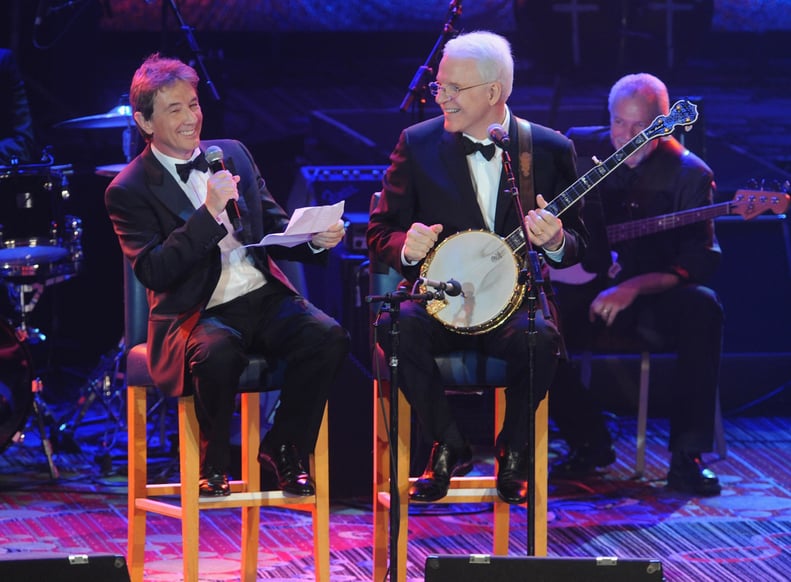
column 485, row 568
column 71, row 568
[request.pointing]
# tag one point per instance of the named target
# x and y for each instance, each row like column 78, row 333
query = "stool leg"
column 321, row 514
column 404, row 449
column 381, row 479
column 642, row 413
column 189, row 452
column 542, row 476
column 719, row 431
column 138, row 477
column 502, row 511
column 382, row 475
column 251, row 476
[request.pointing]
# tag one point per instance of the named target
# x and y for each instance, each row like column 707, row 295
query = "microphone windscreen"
column 214, row 154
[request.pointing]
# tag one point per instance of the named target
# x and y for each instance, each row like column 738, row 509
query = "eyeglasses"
column 451, row 90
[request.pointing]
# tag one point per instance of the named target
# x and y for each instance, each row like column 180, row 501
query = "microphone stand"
column 193, row 44
column 530, row 275
column 391, row 302
column 417, row 88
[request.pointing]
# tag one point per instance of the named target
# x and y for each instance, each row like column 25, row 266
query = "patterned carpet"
column 745, row 534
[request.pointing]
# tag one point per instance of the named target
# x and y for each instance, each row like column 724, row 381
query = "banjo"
column 487, row 266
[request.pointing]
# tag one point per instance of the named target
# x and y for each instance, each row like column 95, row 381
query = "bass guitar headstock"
column 751, row 202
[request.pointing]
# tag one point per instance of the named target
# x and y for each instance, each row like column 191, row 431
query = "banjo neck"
column 682, row 113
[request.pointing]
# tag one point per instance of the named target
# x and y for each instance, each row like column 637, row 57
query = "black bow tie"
column 198, row 163
column 470, row 147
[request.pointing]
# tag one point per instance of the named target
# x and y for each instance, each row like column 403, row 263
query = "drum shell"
column 30, row 202
column 37, row 239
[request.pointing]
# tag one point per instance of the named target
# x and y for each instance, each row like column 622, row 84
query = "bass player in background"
column 654, row 292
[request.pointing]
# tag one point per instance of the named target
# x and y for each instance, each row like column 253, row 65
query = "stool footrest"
column 252, row 499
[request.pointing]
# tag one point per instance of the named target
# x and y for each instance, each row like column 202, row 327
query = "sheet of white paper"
column 304, row 223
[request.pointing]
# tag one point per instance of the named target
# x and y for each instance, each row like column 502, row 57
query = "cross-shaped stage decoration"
column 575, row 8
column 670, row 7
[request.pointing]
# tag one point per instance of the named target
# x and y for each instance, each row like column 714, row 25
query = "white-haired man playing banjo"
column 439, row 184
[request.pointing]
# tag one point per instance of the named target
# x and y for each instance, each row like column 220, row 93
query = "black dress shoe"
column 689, row 474
column 443, row 463
column 583, row 462
column 284, row 461
column 512, row 476
column 213, row 483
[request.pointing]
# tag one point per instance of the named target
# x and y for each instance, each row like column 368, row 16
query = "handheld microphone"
column 451, row 287
column 498, row 135
column 214, row 157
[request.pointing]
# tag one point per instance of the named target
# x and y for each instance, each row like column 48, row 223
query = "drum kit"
column 119, row 117
column 41, row 246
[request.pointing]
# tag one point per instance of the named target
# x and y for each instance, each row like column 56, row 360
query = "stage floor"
column 740, row 535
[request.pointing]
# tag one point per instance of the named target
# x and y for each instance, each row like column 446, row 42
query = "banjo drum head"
column 488, row 272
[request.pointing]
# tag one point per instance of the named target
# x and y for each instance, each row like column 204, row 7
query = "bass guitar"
column 746, row 203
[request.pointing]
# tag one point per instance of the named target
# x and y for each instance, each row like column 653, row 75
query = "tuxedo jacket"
column 429, row 181
column 173, row 250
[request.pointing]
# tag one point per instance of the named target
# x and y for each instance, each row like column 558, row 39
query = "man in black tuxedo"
column 213, row 300
column 438, row 184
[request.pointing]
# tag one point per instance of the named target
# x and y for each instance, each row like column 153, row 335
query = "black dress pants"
column 422, row 337
column 687, row 320
column 281, row 326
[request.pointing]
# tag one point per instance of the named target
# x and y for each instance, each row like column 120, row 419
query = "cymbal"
column 38, row 168
column 109, row 171
column 120, row 116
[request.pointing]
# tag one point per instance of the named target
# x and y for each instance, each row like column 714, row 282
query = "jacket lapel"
column 165, row 187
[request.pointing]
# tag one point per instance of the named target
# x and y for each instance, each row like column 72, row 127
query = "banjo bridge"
column 497, row 255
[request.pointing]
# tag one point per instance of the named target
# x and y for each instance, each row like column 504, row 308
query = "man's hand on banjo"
column 543, row 228
column 420, row 239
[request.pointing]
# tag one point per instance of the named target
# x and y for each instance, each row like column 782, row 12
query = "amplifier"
column 357, row 225
column 330, row 184
column 754, row 287
column 484, row 568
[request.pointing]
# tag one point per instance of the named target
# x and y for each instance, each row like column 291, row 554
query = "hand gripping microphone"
column 214, row 157
column 498, row 135
column 451, row 287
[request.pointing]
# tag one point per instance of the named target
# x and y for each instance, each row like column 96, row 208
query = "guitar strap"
column 526, row 188
column 527, row 195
